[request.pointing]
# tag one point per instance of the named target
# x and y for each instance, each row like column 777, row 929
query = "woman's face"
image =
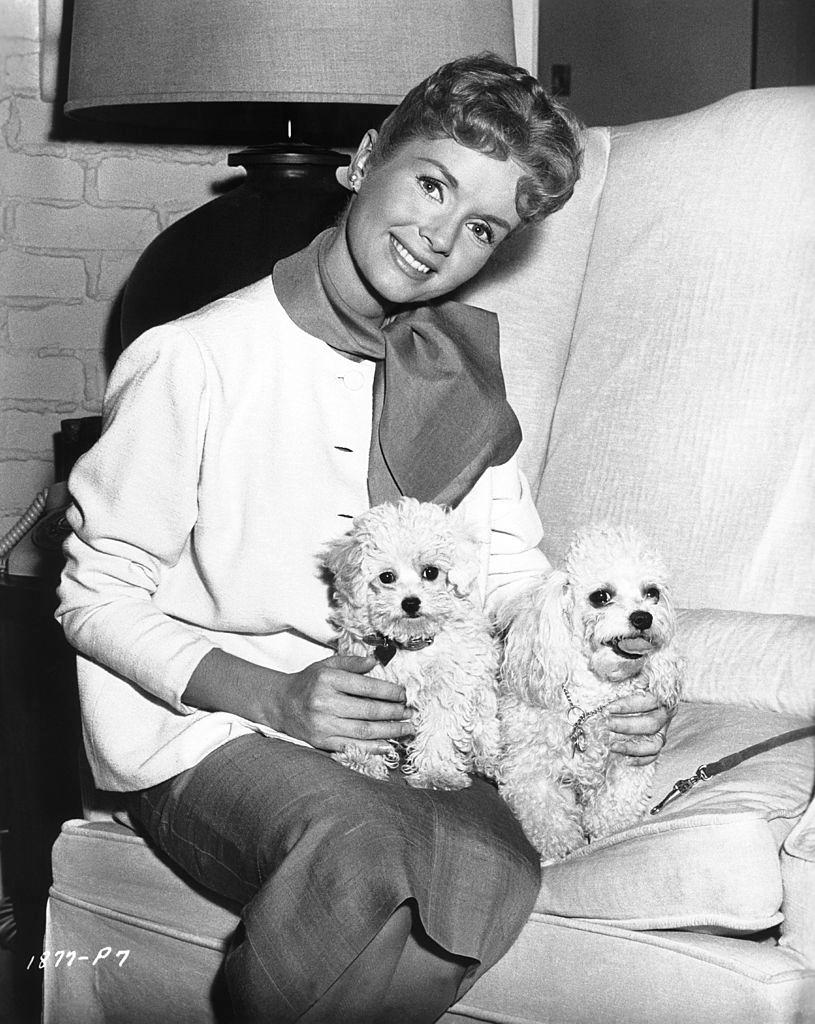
column 424, row 221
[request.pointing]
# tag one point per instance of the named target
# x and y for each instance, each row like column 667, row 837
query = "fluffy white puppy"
column 404, row 588
column 600, row 628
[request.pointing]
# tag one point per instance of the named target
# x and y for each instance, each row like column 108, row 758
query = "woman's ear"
column 351, row 177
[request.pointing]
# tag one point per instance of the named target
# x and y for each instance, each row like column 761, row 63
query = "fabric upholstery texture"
column 697, row 312
column 763, row 661
column 798, row 877
column 565, row 971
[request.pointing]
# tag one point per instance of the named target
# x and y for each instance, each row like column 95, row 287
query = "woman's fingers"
column 349, row 706
column 642, row 749
column 639, row 726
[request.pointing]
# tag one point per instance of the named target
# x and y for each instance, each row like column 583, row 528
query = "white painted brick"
column 26, row 275
column 47, row 378
column 20, row 482
column 20, row 18
column 41, row 177
column 22, row 70
column 81, row 326
column 35, row 123
column 96, row 381
column 29, row 432
column 114, row 272
column 156, row 183
column 84, row 227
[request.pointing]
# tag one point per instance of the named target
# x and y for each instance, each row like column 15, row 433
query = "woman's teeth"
column 410, row 259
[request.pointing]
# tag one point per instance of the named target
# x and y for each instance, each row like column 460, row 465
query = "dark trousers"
column 332, row 868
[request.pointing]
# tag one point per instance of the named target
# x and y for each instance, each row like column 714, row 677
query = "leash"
column 708, row 771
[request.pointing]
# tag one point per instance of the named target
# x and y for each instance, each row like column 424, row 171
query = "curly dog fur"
column 601, row 627
column 405, row 577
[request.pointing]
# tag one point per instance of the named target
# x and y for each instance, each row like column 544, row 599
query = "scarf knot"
column 440, row 411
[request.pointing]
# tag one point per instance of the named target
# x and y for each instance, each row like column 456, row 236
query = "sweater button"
column 353, row 380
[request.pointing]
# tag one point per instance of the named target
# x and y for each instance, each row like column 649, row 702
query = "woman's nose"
column 439, row 234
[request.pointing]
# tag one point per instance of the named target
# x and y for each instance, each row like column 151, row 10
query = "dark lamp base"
column 290, row 194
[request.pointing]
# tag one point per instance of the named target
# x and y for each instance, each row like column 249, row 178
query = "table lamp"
column 314, row 71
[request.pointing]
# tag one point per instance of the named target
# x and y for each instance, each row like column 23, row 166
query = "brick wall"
column 74, row 217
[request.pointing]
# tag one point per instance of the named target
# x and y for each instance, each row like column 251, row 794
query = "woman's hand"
column 639, row 726
column 332, row 703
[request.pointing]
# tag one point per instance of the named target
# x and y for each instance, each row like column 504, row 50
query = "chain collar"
column 576, row 716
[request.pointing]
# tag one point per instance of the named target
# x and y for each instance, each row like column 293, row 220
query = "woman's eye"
column 430, row 572
column 387, row 577
column 599, row 598
column 483, row 232
column 430, row 186
column 651, row 593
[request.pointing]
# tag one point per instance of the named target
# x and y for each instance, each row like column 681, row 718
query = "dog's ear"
column 464, row 572
column 343, row 561
column 466, row 565
column 538, row 652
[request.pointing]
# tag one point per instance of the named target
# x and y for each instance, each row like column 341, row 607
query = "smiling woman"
column 210, row 684
column 423, row 222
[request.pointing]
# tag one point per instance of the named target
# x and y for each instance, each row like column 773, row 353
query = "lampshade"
column 130, row 57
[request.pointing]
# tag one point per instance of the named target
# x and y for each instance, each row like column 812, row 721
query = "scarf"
column 440, row 412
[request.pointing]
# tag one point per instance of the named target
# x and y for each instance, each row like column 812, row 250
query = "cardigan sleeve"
column 516, row 560
column 134, row 507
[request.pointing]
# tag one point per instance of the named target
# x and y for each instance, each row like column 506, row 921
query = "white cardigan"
column 235, row 447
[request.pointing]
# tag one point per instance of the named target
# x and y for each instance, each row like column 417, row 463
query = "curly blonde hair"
column 489, row 105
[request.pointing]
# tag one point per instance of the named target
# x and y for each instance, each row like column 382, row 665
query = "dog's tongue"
column 634, row 645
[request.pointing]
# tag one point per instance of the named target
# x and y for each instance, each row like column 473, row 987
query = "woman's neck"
column 350, row 283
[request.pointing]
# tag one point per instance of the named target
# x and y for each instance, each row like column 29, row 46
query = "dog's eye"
column 387, row 577
column 598, row 598
column 652, row 594
column 430, row 572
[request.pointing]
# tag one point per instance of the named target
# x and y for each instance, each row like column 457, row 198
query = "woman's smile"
column 407, row 262
column 425, row 220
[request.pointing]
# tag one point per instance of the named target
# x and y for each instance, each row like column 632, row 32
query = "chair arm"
column 798, row 879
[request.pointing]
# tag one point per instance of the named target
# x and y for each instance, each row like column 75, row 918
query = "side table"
column 40, row 739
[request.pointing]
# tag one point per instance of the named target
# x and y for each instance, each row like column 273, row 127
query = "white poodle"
column 602, row 627
column 404, row 587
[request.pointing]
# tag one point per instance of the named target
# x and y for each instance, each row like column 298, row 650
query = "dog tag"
column 385, row 652
column 578, row 740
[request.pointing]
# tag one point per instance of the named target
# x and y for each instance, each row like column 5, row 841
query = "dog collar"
column 385, row 646
column 576, row 716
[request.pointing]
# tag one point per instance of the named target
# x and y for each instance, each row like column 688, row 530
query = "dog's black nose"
column 411, row 605
column 641, row 620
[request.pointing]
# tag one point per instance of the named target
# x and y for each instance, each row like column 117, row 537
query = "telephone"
column 32, row 547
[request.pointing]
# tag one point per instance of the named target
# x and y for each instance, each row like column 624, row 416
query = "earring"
column 353, row 180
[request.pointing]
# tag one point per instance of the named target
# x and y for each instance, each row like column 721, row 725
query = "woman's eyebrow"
column 451, row 178
column 453, row 182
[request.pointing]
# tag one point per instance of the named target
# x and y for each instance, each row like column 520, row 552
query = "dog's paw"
column 438, row 779
column 553, row 848
column 489, row 767
column 375, row 766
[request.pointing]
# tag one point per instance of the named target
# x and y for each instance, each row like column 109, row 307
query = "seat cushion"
column 710, row 860
column 105, row 866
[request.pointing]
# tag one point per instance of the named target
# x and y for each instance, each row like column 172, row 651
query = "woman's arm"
column 135, row 505
column 328, row 704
